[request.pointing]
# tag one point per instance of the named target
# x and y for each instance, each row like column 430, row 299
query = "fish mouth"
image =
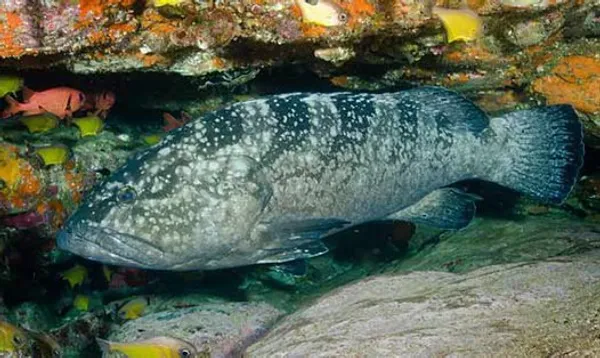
column 114, row 247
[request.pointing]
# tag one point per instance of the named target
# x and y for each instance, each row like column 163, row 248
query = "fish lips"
column 112, row 247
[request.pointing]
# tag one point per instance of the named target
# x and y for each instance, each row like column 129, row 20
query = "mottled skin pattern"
column 209, row 195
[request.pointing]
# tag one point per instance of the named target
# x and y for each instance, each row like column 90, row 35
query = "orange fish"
column 100, row 103
column 60, row 101
column 172, row 122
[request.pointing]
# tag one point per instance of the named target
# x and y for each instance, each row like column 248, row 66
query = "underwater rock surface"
column 215, row 329
column 527, row 309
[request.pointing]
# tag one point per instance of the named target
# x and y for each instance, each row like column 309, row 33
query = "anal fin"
column 446, row 208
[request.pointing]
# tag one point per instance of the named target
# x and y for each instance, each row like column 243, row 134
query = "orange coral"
column 341, row 81
column 59, row 213
column 476, row 4
column 97, row 7
column 575, row 80
column 296, row 12
column 53, row 211
column 117, row 30
column 17, row 174
column 311, row 30
column 75, row 183
column 10, row 24
column 112, row 34
column 470, row 53
column 358, row 9
column 150, row 60
column 219, row 63
column 456, row 79
column 97, row 37
column 21, row 185
column 157, row 24
column 30, row 184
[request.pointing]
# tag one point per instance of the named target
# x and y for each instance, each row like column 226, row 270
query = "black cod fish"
column 264, row 181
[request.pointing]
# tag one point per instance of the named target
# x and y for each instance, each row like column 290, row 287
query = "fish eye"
column 343, row 17
column 127, row 195
column 56, row 353
column 184, row 352
column 18, row 340
column 81, row 97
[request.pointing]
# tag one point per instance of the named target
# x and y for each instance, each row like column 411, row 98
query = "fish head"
column 12, row 338
column 168, row 209
column 178, row 347
column 74, row 99
column 322, row 12
column 105, row 100
column 77, row 100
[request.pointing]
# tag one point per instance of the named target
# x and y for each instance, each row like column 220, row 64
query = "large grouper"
column 264, row 181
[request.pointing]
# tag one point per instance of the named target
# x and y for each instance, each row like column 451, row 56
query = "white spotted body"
column 261, row 180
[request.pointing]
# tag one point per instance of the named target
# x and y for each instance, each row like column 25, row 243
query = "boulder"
column 215, row 329
column 547, row 308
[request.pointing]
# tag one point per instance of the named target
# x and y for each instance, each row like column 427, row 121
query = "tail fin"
column 13, row 107
column 104, row 346
column 544, row 149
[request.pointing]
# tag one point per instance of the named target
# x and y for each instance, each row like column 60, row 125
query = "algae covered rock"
column 490, row 241
column 529, row 309
column 215, row 329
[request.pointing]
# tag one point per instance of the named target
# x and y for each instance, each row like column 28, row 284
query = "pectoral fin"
column 445, row 208
column 295, row 268
column 299, row 238
column 304, row 251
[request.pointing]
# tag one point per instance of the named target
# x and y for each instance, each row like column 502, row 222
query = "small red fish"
column 128, row 277
column 60, row 101
column 172, row 122
column 99, row 103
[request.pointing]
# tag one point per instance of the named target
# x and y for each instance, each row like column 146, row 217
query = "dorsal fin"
column 451, row 107
column 27, row 93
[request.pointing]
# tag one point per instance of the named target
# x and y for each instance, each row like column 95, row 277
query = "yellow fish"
column 81, row 302
column 322, row 12
column 134, row 308
column 159, row 3
column 75, row 275
column 152, row 139
column 40, row 123
column 10, row 84
column 463, row 24
column 53, row 154
column 158, row 347
column 89, row 125
column 13, row 339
